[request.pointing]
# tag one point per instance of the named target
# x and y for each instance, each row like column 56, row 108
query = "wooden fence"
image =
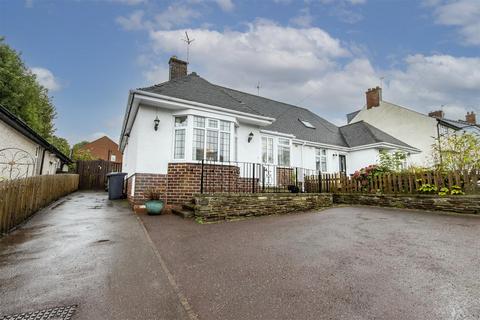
column 93, row 173
column 468, row 181
column 21, row 198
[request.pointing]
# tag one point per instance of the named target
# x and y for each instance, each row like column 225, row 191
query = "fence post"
column 319, row 182
column 296, row 177
column 253, row 178
column 263, row 178
column 201, row 179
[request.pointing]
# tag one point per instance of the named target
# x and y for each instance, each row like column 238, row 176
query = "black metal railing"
column 249, row 177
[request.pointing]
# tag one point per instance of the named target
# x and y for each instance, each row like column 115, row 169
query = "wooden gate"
column 93, row 174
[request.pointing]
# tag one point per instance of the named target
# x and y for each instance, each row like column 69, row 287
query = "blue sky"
column 320, row 54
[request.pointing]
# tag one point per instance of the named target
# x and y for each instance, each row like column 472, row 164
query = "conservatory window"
column 321, row 159
column 283, row 152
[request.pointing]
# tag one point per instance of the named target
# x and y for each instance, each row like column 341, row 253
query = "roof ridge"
column 262, row 97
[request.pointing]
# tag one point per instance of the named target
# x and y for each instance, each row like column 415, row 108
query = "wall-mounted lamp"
column 250, row 137
column 156, row 123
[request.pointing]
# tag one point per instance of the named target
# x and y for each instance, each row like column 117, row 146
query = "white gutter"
column 261, row 120
column 199, row 104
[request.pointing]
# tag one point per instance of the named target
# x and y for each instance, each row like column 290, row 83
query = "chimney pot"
column 471, row 118
column 374, row 96
column 437, row 114
column 178, row 68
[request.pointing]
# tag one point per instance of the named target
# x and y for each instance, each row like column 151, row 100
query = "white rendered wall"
column 413, row 128
column 249, row 151
column 361, row 159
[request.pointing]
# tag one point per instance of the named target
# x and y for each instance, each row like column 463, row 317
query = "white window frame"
column 175, row 130
column 321, row 159
column 281, row 144
column 215, row 125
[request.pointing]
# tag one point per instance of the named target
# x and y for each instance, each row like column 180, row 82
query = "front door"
column 342, row 166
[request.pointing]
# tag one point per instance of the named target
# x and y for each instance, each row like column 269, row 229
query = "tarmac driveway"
column 341, row 263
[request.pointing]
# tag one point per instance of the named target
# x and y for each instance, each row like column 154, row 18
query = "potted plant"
column 155, row 204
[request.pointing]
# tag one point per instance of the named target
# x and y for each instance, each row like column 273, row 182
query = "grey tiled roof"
column 361, row 133
column 287, row 117
column 197, row 89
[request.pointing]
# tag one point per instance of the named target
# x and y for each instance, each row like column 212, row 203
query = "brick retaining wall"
column 469, row 204
column 223, row 206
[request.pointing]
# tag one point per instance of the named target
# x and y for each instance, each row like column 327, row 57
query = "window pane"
column 199, row 122
column 224, row 146
column 181, row 121
column 212, row 123
column 324, row 164
column 212, row 145
column 179, row 147
column 224, row 125
column 267, row 150
column 264, row 150
column 283, row 156
column 283, row 141
column 198, row 144
column 317, row 163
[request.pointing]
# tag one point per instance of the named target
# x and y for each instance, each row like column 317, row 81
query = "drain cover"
column 57, row 313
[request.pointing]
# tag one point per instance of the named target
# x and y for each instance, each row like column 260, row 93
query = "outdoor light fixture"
column 156, row 123
column 250, row 137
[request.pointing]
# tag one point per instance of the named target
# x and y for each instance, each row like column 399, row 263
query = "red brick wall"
column 144, row 182
column 102, row 149
column 183, row 180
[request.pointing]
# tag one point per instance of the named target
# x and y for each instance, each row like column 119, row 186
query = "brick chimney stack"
column 437, row 114
column 178, row 68
column 471, row 118
column 374, row 96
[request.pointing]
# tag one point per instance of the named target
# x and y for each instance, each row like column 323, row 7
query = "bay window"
column 179, row 139
column 321, row 159
column 211, row 139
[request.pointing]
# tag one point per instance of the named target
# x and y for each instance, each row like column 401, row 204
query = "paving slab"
column 340, row 263
column 89, row 252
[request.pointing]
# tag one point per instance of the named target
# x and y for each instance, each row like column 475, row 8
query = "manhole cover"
column 57, row 313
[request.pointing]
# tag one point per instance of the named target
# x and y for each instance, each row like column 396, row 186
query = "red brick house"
column 104, row 148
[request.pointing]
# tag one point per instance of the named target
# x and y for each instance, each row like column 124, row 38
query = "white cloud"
column 309, row 67
column 46, row 78
column 303, row 19
column 428, row 82
column 176, row 15
column 464, row 14
column 225, row 5
column 134, row 21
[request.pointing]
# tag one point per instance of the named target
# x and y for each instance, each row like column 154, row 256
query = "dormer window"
column 307, row 124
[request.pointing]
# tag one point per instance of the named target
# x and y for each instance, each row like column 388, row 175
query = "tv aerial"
column 188, row 41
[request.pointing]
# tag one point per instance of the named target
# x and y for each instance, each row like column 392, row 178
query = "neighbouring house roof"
column 361, row 133
column 17, row 124
column 352, row 115
column 288, row 118
column 457, row 124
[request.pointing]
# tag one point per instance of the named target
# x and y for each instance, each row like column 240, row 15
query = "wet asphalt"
column 340, row 263
column 85, row 250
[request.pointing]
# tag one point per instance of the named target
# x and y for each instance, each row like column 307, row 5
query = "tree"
column 81, row 154
column 391, row 161
column 61, row 144
column 459, row 151
column 22, row 95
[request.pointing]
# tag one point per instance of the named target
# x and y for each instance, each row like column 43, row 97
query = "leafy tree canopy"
column 459, row 151
column 81, row 154
column 22, row 95
column 61, row 144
